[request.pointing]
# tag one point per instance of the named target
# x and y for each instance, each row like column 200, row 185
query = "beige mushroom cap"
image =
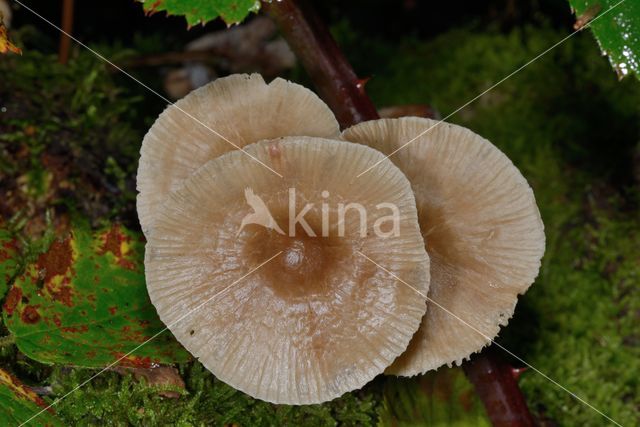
column 482, row 230
column 317, row 319
column 224, row 115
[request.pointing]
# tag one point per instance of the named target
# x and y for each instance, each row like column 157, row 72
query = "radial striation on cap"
column 318, row 319
column 222, row 116
column 481, row 226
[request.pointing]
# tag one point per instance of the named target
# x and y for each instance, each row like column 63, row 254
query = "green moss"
column 68, row 135
column 114, row 400
column 587, row 305
column 571, row 128
column 443, row 398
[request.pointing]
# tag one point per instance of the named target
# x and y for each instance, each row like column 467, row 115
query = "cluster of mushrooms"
column 302, row 316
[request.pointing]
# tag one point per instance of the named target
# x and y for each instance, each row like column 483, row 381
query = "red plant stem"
column 67, row 27
column 333, row 76
column 496, row 384
column 338, row 85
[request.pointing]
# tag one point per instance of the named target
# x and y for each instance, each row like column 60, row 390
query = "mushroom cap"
column 318, row 319
column 222, row 116
column 481, row 227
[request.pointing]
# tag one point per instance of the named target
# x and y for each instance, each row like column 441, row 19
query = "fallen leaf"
column 84, row 302
column 165, row 378
column 19, row 402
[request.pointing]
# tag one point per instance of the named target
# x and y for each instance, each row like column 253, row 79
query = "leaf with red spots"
column 18, row 403
column 202, row 11
column 8, row 260
column 84, row 302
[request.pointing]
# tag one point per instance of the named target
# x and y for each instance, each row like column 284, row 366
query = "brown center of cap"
column 306, row 264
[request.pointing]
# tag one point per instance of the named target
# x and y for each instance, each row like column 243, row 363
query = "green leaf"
column 440, row 399
column 18, row 403
column 202, row 11
column 85, row 303
column 8, row 260
column 617, row 31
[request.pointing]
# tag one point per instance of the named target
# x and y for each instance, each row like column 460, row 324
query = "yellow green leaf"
column 19, row 402
column 84, row 302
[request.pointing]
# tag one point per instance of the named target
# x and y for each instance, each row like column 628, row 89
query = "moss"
column 571, row 127
column 588, row 311
column 114, row 400
column 68, row 136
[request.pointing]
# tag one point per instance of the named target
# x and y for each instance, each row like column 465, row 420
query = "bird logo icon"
column 260, row 215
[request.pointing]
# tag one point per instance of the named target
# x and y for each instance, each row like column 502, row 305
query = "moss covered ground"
column 68, row 146
column 573, row 129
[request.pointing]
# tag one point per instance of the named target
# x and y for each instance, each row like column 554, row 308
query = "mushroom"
column 481, row 227
column 224, row 115
column 263, row 281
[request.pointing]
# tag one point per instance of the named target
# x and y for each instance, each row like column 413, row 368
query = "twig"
column 337, row 84
column 496, row 383
column 67, row 27
column 325, row 63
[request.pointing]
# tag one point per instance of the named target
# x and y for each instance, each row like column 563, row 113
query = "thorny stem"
column 338, row 85
column 496, row 384
column 332, row 75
